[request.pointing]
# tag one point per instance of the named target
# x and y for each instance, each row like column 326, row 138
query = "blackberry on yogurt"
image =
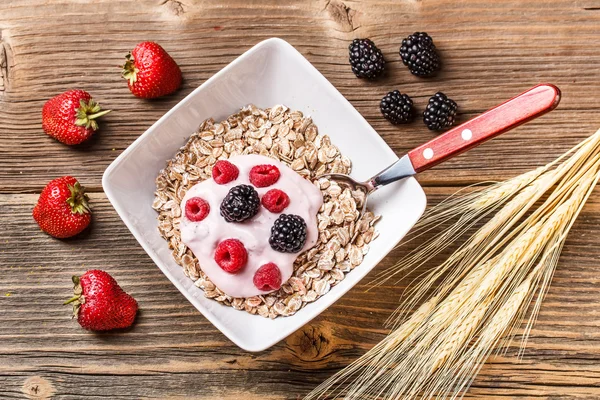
column 288, row 234
column 241, row 203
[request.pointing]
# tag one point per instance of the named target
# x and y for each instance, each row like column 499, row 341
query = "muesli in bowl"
column 341, row 237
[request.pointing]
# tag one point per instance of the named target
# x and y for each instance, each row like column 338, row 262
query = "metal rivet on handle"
column 466, row 134
column 428, row 153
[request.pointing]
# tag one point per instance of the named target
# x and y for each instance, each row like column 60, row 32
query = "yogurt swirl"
column 204, row 236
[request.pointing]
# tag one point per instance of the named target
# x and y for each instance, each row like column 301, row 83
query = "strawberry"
column 62, row 209
column 150, row 71
column 71, row 117
column 100, row 304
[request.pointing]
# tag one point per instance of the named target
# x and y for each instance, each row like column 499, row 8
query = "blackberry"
column 240, row 204
column 397, row 108
column 418, row 53
column 365, row 58
column 440, row 112
column 288, row 234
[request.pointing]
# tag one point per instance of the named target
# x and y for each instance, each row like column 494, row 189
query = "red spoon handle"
column 508, row 115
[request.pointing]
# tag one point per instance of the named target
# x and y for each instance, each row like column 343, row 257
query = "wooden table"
column 491, row 51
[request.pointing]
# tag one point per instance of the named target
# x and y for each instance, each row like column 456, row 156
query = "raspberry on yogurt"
column 268, row 277
column 224, row 172
column 231, row 255
column 275, row 200
column 264, row 175
column 196, row 209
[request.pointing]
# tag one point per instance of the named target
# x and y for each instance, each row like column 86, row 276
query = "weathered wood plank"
column 490, row 51
column 173, row 351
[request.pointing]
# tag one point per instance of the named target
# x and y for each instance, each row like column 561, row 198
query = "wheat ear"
column 489, row 285
column 481, row 242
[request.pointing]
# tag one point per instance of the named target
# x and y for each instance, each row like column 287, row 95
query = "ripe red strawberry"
column 151, row 71
column 100, row 304
column 71, row 117
column 62, row 209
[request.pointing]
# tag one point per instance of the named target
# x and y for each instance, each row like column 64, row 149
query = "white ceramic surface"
column 272, row 72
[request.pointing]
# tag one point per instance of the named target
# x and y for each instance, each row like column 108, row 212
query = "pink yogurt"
column 202, row 237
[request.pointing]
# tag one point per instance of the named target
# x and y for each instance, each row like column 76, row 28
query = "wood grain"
column 172, row 350
column 491, row 52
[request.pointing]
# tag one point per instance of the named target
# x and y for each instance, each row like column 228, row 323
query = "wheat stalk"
column 461, row 374
column 467, row 256
column 498, row 276
column 487, row 200
column 461, row 335
column 506, row 318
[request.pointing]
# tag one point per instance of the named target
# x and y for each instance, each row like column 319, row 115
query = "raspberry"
column 264, row 175
column 196, row 209
column 267, row 277
column 231, row 255
column 224, row 172
column 275, row 200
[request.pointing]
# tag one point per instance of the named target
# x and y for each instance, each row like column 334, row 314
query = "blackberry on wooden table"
column 419, row 54
column 366, row 59
column 397, row 108
column 440, row 113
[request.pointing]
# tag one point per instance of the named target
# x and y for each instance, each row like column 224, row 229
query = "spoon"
column 520, row 109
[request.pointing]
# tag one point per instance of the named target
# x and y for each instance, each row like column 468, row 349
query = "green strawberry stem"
column 78, row 298
column 72, row 299
column 101, row 113
column 78, row 201
column 129, row 69
column 87, row 113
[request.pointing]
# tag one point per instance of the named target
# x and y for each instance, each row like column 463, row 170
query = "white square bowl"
column 272, row 72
